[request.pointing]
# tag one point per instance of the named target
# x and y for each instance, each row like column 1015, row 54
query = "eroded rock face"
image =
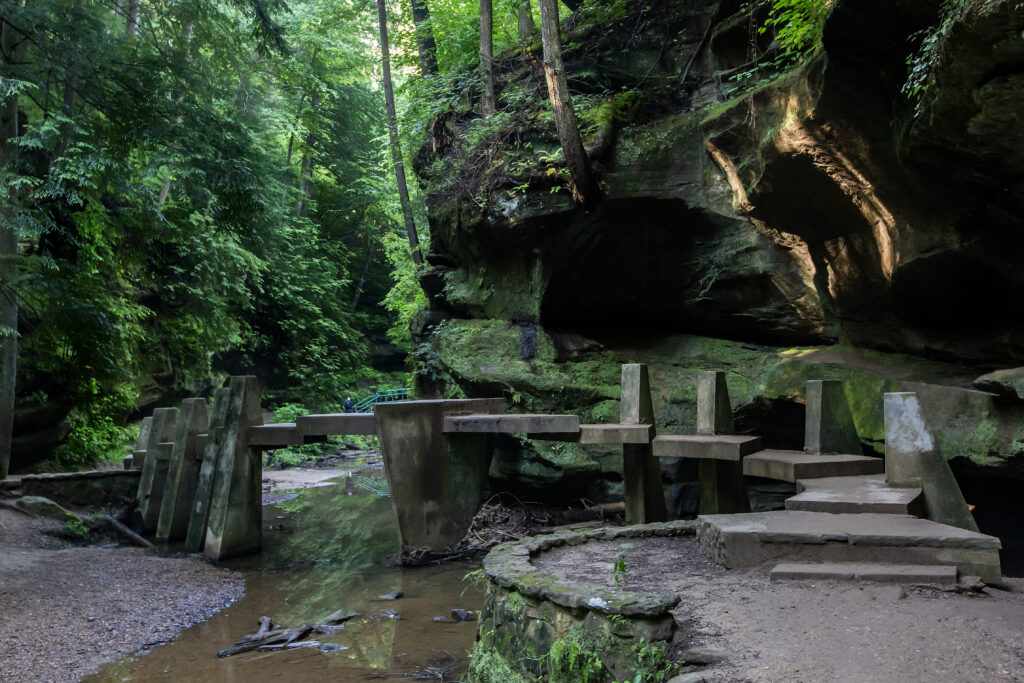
column 820, row 208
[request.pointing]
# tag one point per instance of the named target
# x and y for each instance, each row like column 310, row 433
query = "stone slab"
column 641, row 472
column 616, row 433
column 828, row 422
column 859, row 571
column 714, row 411
column 341, row 424
column 155, row 466
column 868, row 493
column 278, row 434
column 196, row 534
column 706, row 447
column 754, row 539
column 793, row 465
column 512, row 424
column 183, row 470
column 96, row 487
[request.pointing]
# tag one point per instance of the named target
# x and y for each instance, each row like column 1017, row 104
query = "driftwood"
column 260, row 640
column 291, row 646
column 266, row 625
column 125, row 532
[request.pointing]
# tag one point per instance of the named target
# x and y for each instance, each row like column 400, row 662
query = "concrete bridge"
column 201, row 475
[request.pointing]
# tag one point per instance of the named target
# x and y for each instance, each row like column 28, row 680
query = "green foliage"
column 75, row 529
column 575, row 658
column 798, row 24
column 487, row 666
column 97, row 432
column 653, row 663
column 619, row 568
column 923, row 63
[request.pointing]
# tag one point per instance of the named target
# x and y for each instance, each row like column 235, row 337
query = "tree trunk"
column 424, row 37
column 305, row 183
column 526, row 26
column 584, row 185
column 396, row 149
column 131, row 28
column 8, row 264
column 487, row 106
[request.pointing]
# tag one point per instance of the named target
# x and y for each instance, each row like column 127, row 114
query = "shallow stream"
column 328, row 548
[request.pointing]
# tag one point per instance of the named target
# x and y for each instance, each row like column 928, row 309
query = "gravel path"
column 66, row 611
column 820, row 630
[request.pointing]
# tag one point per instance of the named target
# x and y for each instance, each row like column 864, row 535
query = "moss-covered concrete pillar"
column 196, row 535
column 154, row 467
column 722, row 489
column 235, row 521
column 183, row 470
column 641, row 471
column 437, row 480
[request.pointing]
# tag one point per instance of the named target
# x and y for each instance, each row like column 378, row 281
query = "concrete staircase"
column 851, row 519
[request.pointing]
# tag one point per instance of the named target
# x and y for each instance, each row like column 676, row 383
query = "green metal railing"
column 366, row 405
column 372, row 485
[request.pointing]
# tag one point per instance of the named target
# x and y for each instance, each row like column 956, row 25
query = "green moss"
column 487, row 666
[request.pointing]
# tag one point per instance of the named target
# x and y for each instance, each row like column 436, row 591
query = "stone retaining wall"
column 97, row 487
column 528, row 610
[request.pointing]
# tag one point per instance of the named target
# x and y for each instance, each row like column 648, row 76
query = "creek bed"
column 328, row 548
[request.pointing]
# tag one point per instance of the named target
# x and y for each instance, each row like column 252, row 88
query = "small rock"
column 441, row 620
column 396, row 595
column 702, row 655
column 44, row 507
column 339, row 617
column 390, row 613
column 1007, row 384
column 692, row 677
column 463, row 615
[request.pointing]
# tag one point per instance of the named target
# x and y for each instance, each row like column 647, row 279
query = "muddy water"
column 327, row 549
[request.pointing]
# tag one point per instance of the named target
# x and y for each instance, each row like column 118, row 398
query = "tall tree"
column 584, row 184
column 8, row 253
column 487, row 105
column 396, row 148
column 424, row 37
column 526, row 26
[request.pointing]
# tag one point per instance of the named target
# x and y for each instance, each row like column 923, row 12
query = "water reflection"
column 326, row 549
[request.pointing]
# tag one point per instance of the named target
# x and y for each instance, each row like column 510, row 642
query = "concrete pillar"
column 641, row 471
column 183, row 470
column 828, row 426
column 138, row 456
column 196, row 535
column 912, row 459
column 437, row 481
column 722, row 488
column 154, row 467
column 235, row 522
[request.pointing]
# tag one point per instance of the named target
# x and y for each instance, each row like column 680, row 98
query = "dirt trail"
column 65, row 611
column 816, row 631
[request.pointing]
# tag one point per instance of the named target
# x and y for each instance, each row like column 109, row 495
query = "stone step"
column 616, row 433
column 513, row 424
column 729, row 447
column 754, row 539
column 859, row 571
column 794, row 465
column 868, row 493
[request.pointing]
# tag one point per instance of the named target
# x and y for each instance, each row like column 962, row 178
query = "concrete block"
column 706, row 447
column 793, row 465
column 343, row 424
column 512, row 424
column 275, row 435
column 616, row 433
column 155, row 466
column 714, row 412
column 196, row 535
column 139, row 454
column 183, row 470
column 828, row 426
column 235, row 523
column 867, row 493
column 644, row 493
column 438, row 481
column 912, row 459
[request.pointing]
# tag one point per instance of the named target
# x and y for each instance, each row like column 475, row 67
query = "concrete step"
column 869, row 493
column 757, row 538
column 859, row 571
column 616, row 433
column 512, row 424
column 706, row 446
column 793, row 465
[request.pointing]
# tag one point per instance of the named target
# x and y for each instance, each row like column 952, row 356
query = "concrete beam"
column 616, row 433
column 342, row 424
column 912, row 458
column 139, row 454
column 512, row 424
column 183, row 470
column 828, row 425
column 714, row 411
column 722, row 489
column 155, row 465
column 726, row 447
column 793, row 465
column 196, row 535
column 235, row 523
column 278, row 434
